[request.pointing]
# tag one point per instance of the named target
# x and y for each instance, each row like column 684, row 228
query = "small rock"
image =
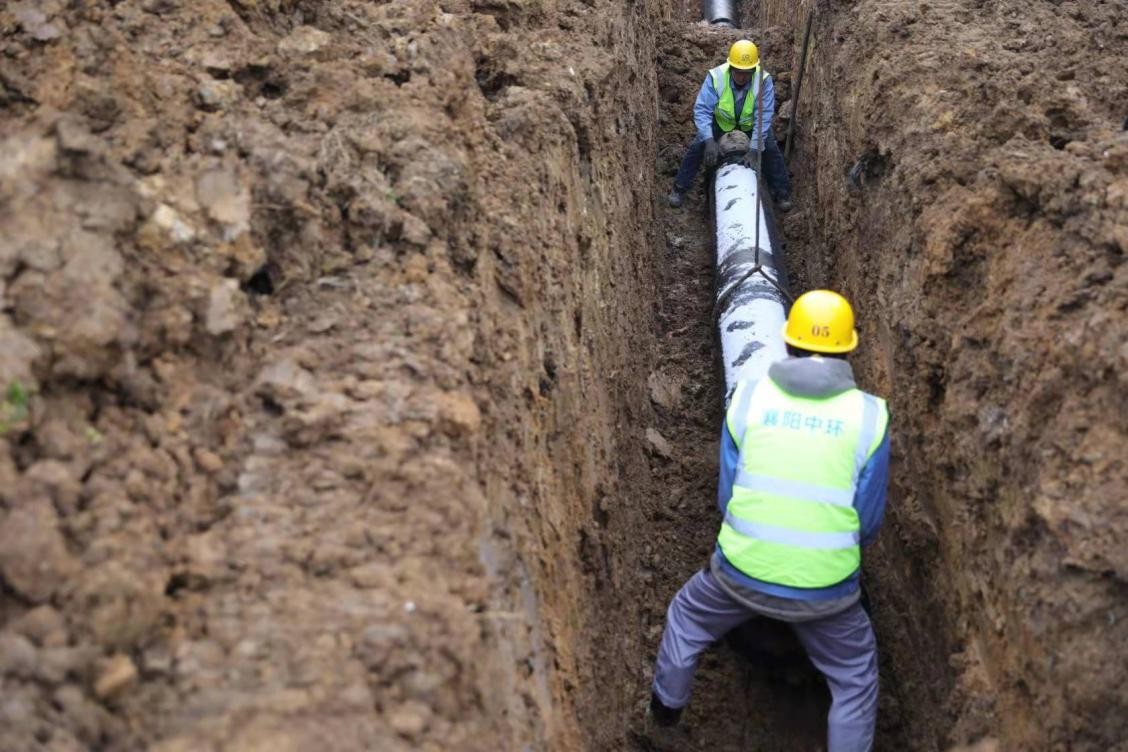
column 28, row 15
column 59, row 481
column 17, row 655
column 226, row 304
column 458, row 414
column 415, row 230
column 285, row 380
column 33, row 555
column 158, row 660
column 415, row 269
column 304, row 40
column 46, row 32
column 664, row 392
column 216, row 61
column 659, row 444
column 42, row 625
column 213, row 95
column 207, row 556
column 17, row 354
column 73, row 137
column 207, row 460
column 226, row 200
column 410, row 719
column 118, row 675
column 358, row 695
column 171, row 224
column 34, row 22
column 372, row 576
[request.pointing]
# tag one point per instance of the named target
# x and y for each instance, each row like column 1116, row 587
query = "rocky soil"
column 357, row 391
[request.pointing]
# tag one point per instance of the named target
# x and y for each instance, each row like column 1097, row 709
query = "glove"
column 750, row 157
column 712, row 153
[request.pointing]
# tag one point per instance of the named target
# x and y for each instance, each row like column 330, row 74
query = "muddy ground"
column 360, row 391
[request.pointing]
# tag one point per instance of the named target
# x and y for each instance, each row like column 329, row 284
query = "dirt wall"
column 321, row 333
column 971, row 200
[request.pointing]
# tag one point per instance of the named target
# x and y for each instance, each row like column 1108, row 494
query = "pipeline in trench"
column 723, row 301
column 928, row 233
column 755, row 689
column 722, row 305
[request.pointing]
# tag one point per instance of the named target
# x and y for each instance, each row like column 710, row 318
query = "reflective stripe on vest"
column 725, row 111
column 791, row 519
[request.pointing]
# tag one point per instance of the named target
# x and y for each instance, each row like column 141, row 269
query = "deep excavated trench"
column 360, row 392
column 958, row 666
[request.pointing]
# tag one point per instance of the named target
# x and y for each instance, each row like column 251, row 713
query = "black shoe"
column 663, row 716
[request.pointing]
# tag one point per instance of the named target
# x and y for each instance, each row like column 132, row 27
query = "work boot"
column 661, row 730
column 662, row 715
column 676, row 197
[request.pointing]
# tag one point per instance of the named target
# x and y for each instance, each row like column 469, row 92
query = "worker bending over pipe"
column 804, row 467
column 728, row 101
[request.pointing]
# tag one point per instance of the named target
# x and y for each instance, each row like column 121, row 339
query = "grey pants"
column 841, row 646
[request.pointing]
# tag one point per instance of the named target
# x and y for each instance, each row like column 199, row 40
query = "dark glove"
column 750, row 157
column 712, row 153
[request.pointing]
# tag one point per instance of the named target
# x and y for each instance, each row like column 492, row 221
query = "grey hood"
column 813, row 376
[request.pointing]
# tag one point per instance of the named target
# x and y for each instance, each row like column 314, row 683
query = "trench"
column 755, row 689
column 917, row 230
column 360, row 391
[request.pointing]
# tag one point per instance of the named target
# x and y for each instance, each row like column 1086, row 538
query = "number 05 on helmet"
column 821, row 321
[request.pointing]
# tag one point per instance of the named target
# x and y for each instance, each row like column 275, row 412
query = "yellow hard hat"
column 821, row 321
column 744, row 55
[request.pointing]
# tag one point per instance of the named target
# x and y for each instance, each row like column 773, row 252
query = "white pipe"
column 750, row 308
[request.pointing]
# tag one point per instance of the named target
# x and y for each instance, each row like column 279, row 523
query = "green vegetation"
column 14, row 407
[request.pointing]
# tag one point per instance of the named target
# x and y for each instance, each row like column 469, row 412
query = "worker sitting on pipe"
column 804, row 468
column 726, row 102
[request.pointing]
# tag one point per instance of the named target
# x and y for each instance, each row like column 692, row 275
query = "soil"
column 360, row 391
column 971, row 202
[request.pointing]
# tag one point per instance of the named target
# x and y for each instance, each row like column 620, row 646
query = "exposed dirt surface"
column 358, row 391
column 973, row 199
column 324, row 344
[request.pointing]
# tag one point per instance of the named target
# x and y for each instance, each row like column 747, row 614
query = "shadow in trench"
column 772, row 661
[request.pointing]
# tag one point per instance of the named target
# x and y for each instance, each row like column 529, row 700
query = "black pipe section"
column 721, row 13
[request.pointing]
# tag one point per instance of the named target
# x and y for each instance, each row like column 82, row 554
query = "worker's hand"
column 750, row 157
column 712, row 153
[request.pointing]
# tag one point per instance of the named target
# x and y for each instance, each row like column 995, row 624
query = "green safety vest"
column 791, row 520
column 725, row 111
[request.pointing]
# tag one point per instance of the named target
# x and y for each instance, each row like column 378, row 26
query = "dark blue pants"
column 775, row 169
